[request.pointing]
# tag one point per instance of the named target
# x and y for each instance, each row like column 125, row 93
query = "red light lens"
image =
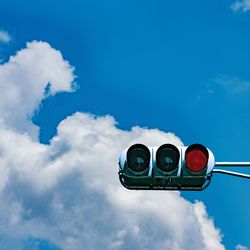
column 196, row 160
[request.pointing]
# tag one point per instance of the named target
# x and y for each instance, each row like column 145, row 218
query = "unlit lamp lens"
column 138, row 158
column 167, row 157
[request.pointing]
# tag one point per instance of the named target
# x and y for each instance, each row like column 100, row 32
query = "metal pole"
column 232, row 164
column 220, row 171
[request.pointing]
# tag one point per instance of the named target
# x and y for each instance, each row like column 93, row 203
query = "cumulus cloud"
column 243, row 5
column 23, row 80
column 4, row 36
column 68, row 192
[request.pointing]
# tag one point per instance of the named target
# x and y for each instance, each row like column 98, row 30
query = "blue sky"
column 178, row 66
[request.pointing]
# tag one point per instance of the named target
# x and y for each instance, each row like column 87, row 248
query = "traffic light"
column 166, row 167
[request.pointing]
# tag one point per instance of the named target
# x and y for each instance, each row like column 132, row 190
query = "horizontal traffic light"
column 166, row 167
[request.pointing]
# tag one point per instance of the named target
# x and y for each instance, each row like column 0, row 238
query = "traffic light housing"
column 166, row 167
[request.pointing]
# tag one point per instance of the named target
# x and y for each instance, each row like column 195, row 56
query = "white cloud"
column 233, row 84
column 4, row 36
column 23, row 80
column 68, row 192
column 243, row 5
column 209, row 234
column 240, row 247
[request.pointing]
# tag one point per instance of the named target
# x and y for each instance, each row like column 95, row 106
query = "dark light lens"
column 167, row 157
column 138, row 158
column 196, row 158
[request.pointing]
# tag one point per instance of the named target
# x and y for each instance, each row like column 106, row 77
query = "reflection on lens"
column 167, row 157
column 138, row 158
